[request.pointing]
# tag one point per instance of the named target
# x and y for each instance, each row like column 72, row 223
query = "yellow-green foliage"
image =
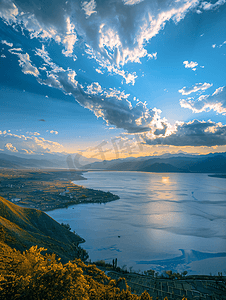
column 32, row 275
column 21, row 228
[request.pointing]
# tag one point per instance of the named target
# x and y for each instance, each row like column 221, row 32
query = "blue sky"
column 129, row 77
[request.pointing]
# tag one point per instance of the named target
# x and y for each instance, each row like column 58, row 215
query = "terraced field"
column 211, row 288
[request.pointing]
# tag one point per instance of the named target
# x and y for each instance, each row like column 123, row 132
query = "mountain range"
column 210, row 163
column 54, row 161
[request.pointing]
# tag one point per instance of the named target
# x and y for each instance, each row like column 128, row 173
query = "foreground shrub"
column 33, row 276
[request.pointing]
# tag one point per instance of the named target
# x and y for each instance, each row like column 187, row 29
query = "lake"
column 162, row 221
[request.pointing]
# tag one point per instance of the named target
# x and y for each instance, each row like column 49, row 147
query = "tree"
column 34, row 275
column 67, row 226
column 145, row 296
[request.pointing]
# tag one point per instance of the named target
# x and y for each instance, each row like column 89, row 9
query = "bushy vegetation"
column 66, row 226
column 32, row 275
column 166, row 274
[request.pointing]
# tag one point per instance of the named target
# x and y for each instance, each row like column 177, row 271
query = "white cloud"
column 71, row 77
column 119, row 111
column 222, row 44
column 215, row 45
column 27, row 151
column 94, row 88
column 8, row 11
column 219, row 90
column 47, row 145
column 25, row 62
column 194, row 133
column 190, row 65
column 116, row 94
column 111, row 68
column 69, row 42
column 205, row 103
column 10, row 147
column 111, row 105
column 89, row 7
column 27, row 67
column 209, row 6
column 55, row 71
column 195, row 88
column 7, row 43
column 99, row 71
column 132, row 2
column 69, row 39
column 48, row 61
column 3, row 56
column 51, row 81
column 33, row 133
column 153, row 55
column 116, row 31
column 15, row 49
column 32, row 144
column 53, row 131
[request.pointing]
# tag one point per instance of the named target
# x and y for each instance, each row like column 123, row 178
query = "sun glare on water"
column 165, row 180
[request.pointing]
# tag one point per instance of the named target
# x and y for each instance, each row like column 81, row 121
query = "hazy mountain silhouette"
column 211, row 163
column 46, row 161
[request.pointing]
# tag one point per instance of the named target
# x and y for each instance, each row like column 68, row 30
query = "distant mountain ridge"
column 47, row 161
column 16, row 162
column 210, row 163
column 21, row 228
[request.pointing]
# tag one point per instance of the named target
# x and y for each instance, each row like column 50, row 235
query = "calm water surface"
column 162, row 221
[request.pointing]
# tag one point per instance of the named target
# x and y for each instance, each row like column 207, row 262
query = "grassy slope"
column 22, row 228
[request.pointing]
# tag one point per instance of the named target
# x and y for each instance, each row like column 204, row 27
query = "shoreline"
column 48, row 189
column 213, row 283
column 218, row 176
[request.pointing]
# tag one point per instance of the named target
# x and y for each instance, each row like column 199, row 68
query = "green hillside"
column 21, row 228
column 26, row 273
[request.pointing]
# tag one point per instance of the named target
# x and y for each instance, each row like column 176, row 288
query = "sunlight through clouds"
column 215, row 102
column 100, row 55
column 119, row 39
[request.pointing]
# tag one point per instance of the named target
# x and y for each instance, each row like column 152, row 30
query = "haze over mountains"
column 46, row 161
column 210, row 163
column 167, row 163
